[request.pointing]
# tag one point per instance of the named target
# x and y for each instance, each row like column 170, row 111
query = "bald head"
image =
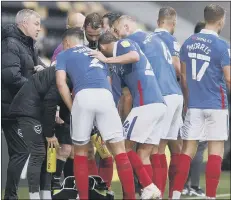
column 75, row 20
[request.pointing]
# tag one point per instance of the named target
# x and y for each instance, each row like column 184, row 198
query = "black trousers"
column 35, row 141
column 18, row 154
column 24, row 138
column 196, row 165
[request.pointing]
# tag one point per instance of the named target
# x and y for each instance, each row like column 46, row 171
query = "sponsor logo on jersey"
column 38, row 129
column 125, row 43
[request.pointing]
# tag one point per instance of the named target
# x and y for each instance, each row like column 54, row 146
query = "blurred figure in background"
column 192, row 186
column 19, row 62
column 73, row 20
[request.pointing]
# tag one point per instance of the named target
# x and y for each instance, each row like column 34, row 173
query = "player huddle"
column 144, row 65
column 94, row 84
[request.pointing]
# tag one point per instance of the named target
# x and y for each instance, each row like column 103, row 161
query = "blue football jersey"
column 139, row 76
column 84, row 71
column 160, row 59
column 169, row 40
column 116, row 82
column 205, row 55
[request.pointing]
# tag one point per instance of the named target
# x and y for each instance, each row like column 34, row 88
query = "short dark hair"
column 107, row 38
column 76, row 32
column 94, row 20
column 166, row 13
column 213, row 13
column 112, row 17
column 199, row 26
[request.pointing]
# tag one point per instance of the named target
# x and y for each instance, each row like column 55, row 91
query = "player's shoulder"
column 62, row 54
column 165, row 35
column 125, row 42
column 222, row 43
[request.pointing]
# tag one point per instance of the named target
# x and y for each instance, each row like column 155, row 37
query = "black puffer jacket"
column 18, row 60
column 38, row 99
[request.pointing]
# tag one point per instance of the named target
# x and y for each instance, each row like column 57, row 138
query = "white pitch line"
column 219, row 195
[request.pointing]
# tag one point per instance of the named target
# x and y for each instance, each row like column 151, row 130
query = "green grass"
column 223, row 188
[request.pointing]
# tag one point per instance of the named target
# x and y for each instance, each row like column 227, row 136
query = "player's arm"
column 128, row 55
column 61, row 81
column 174, row 48
column 184, row 87
column 183, row 82
column 108, row 73
column 225, row 64
column 125, row 103
column 226, row 71
column 176, row 64
column 62, row 86
column 11, row 66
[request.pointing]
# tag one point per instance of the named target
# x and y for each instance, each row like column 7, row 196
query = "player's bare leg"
column 213, row 167
column 188, row 152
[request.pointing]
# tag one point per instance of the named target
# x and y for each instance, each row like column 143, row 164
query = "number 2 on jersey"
column 205, row 65
column 95, row 63
column 148, row 68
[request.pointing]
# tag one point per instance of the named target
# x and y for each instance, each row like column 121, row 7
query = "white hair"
column 24, row 14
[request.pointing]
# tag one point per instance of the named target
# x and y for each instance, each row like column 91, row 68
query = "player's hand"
column 38, row 68
column 58, row 120
column 98, row 55
column 52, row 142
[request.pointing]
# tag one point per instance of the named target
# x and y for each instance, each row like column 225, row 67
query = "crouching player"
column 93, row 101
column 160, row 59
column 148, row 104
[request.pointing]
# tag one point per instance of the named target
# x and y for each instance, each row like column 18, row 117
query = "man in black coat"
column 34, row 108
column 19, row 62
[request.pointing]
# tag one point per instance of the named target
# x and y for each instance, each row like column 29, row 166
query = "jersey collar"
column 85, row 39
column 207, row 31
column 138, row 30
column 157, row 30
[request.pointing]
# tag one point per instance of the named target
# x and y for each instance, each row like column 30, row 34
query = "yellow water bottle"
column 51, row 159
column 100, row 145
